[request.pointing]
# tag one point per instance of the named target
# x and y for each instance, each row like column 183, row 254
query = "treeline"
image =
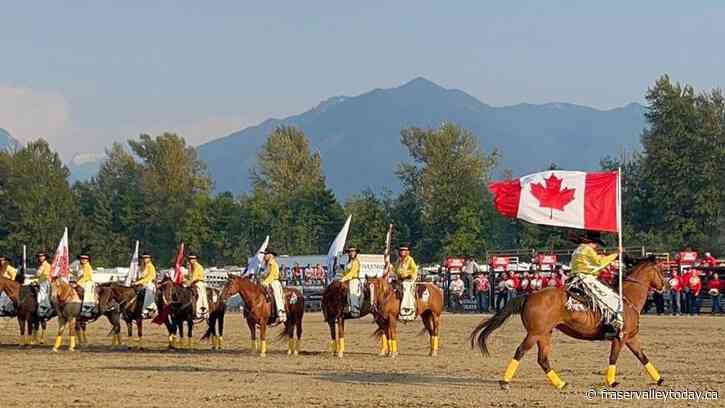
column 156, row 190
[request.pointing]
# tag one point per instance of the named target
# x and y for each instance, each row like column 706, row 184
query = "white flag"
column 338, row 245
column 133, row 269
column 255, row 262
column 60, row 268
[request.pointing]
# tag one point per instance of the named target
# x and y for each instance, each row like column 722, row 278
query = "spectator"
column 470, row 268
column 483, row 290
column 513, row 285
column 524, row 283
column 714, row 286
column 456, row 290
column 709, row 260
column 675, row 293
column 694, row 285
column 502, row 293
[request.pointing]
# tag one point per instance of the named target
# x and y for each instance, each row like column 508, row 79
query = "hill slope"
column 358, row 137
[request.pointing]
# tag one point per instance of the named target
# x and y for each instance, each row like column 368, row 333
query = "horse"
column 258, row 312
column 545, row 310
column 67, row 306
column 386, row 308
column 25, row 300
column 215, row 320
column 334, row 302
column 109, row 309
column 130, row 308
column 176, row 307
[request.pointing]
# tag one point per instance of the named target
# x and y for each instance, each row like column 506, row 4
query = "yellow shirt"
column 43, row 272
column 197, row 272
column 272, row 272
column 407, row 269
column 9, row 272
column 149, row 275
column 586, row 261
column 86, row 276
column 353, row 270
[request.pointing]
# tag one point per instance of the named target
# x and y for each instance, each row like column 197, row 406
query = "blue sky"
column 83, row 74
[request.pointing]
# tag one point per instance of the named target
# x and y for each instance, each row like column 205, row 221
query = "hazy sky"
column 83, row 74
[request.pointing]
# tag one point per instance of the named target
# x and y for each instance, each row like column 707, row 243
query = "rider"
column 196, row 281
column 586, row 264
column 86, row 281
column 7, row 272
column 407, row 272
column 42, row 278
column 272, row 279
column 148, row 282
column 352, row 272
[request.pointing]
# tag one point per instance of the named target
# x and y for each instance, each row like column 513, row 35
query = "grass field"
column 96, row 376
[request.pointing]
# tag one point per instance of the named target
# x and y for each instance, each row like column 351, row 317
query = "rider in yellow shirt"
column 352, row 271
column 196, row 281
column 86, row 271
column 6, row 270
column 407, row 272
column 352, row 276
column 148, row 282
column 43, row 274
column 271, row 279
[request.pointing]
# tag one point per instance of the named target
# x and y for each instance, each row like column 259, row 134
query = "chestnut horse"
column 25, row 300
column 334, row 302
column 545, row 310
column 386, row 308
column 67, row 306
column 258, row 312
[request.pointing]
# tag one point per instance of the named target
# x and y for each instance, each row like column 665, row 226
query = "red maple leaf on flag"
column 552, row 196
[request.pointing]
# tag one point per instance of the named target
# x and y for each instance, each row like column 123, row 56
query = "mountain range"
column 6, row 140
column 359, row 137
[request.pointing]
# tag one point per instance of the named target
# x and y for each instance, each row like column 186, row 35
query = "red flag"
column 179, row 274
column 572, row 199
column 61, row 260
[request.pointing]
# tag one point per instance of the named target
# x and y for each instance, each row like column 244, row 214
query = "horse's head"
column 106, row 302
column 165, row 290
column 649, row 273
column 379, row 288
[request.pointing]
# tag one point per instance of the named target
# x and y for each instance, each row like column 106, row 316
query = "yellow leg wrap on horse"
column 172, row 340
column 511, row 370
column 342, row 345
column 42, row 336
column 255, row 345
column 652, row 371
column 219, row 342
column 333, row 346
column 72, row 343
column 394, row 348
column 434, row 342
column 298, row 345
column 383, row 344
column 35, row 337
column 58, row 342
column 555, row 380
column 390, row 346
column 611, row 374
column 290, row 346
column 189, row 344
column 213, row 342
column 263, row 347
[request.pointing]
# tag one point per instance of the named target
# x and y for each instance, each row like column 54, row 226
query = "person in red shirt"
column 676, row 293
column 714, row 286
column 709, row 260
column 694, row 284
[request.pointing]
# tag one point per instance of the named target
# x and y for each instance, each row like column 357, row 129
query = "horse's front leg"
column 611, row 375
column 341, row 338
column 253, row 334
column 72, row 334
column 23, row 340
column 190, row 331
column 634, row 346
column 263, row 338
column 139, row 334
column 59, row 336
column 220, row 337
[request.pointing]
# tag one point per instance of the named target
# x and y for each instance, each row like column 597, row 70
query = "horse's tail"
column 207, row 334
column 486, row 327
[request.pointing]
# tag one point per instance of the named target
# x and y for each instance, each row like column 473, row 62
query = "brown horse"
column 25, row 300
column 67, row 306
column 176, row 307
column 545, row 310
column 130, row 307
column 215, row 320
column 386, row 308
column 334, row 302
column 109, row 309
column 258, row 313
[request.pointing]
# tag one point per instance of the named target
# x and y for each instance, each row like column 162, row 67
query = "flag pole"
column 619, row 234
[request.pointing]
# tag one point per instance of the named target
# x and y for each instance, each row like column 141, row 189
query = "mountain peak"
column 421, row 83
column 7, row 140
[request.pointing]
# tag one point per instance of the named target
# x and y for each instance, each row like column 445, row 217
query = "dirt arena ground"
column 681, row 347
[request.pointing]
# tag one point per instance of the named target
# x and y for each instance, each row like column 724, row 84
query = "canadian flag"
column 573, row 199
column 60, row 266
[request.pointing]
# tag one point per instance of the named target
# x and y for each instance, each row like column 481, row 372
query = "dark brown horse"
column 258, row 313
column 109, row 309
column 25, row 301
column 67, row 306
column 334, row 303
column 130, row 307
column 176, row 307
column 215, row 320
column 386, row 308
column 545, row 310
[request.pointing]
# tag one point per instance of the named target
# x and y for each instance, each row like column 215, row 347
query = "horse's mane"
column 633, row 264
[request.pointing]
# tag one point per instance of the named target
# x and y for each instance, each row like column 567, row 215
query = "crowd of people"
column 308, row 275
